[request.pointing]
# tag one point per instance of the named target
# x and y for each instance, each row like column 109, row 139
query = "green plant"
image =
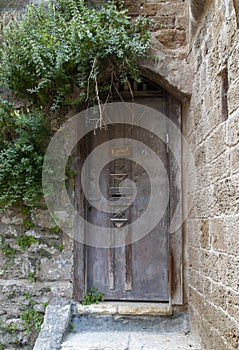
column 32, row 276
column 55, row 229
column 93, row 297
column 60, row 247
column 32, row 318
column 45, row 253
column 22, row 145
column 66, row 52
column 6, row 249
column 71, row 327
column 26, row 241
column 8, row 252
column 27, row 295
column 10, row 328
column 25, row 210
column 2, row 346
column 11, row 294
column 28, row 223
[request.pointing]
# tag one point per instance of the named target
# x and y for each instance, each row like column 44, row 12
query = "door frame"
column 174, row 113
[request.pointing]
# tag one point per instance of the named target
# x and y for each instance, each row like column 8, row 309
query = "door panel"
column 138, row 271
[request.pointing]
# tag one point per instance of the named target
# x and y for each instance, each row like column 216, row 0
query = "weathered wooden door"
column 137, row 271
column 141, row 269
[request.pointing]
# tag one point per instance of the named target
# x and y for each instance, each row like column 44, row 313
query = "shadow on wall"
column 196, row 10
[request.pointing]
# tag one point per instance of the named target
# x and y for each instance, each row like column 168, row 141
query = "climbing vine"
column 22, row 146
column 64, row 52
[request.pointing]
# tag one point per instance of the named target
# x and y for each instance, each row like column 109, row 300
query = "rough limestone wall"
column 212, row 227
column 170, row 14
column 35, row 265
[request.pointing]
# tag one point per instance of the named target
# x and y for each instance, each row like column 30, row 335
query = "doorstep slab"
column 126, row 308
column 129, row 341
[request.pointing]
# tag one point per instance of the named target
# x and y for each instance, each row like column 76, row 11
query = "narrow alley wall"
column 212, row 130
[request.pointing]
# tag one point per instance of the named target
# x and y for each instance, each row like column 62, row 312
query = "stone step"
column 126, row 308
column 129, row 326
column 129, row 341
column 176, row 322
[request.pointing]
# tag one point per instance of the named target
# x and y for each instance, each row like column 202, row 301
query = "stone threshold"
column 126, row 309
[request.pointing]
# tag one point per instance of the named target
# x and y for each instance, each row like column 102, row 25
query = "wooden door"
column 137, row 271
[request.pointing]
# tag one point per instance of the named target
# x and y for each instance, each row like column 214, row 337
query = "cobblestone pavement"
column 128, row 341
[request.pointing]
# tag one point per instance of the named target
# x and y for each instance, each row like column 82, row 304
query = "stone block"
column 225, row 197
column 231, row 238
column 228, row 270
column 216, row 143
column 233, row 96
column 200, row 155
column 197, row 113
column 207, row 287
column 10, row 217
column 149, row 9
column 220, row 168
column 203, row 177
column 234, row 159
column 232, row 130
column 197, row 300
column 204, row 234
column 192, row 232
column 218, row 234
column 181, row 23
column 203, row 203
column 167, row 22
column 219, row 295
column 171, row 9
column 233, row 64
column 209, row 265
column 226, row 327
column 232, row 303
column 224, row 234
column 42, row 218
column 58, row 268
column 145, row 309
column 56, row 322
column 194, row 258
column 206, row 337
column 195, row 280
column 171, row 38
column 101, row 309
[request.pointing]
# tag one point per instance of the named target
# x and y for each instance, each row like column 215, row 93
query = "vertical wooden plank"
column 128, row 261
column 111, row 260
column 79, row 287
column 175, row 238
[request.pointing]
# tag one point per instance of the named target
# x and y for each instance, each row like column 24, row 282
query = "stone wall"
column 35, row 265
column 171, row 15
column 212, row 129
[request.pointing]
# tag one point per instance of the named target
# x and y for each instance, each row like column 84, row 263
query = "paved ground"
column 128, row 341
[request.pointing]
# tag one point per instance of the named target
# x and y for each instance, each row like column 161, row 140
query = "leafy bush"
column 93, row 297
column 63, row 46
column 22, row 145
